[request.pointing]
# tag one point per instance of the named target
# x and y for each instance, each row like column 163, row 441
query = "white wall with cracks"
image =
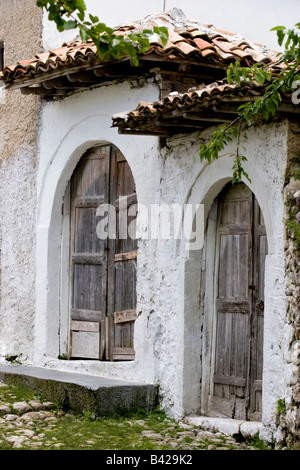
column 169, row 341
column 81, row 122
column 266, row 150
column 170, row 332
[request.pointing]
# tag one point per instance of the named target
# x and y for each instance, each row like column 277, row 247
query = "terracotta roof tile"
column 200, row 98
column 187, row 38
column 202, row 44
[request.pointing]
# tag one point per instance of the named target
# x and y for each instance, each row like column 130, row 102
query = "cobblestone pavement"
column 28, row 424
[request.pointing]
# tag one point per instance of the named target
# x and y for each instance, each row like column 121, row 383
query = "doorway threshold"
column 231, row 427
column 82, row 392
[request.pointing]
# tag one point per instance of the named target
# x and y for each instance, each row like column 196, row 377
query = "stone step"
column 82, row 392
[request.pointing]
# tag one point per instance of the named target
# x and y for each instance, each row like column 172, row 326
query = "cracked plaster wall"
column 168, row 330
column 21, row 29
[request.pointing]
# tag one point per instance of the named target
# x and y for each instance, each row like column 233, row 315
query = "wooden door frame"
column 65, row 280
column 209, row 305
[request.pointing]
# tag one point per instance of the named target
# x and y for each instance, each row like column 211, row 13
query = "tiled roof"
column 199, row 100
column 188, row 39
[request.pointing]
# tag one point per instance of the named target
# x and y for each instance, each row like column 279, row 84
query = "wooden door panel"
column 89, row 189
column 103, row 270
column 260, row 247
column 85, row 339
column 233, row 266
column 242, row 247
column 122, row 265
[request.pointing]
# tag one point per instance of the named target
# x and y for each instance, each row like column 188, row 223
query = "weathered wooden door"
column 236, row 381
column 103, row 269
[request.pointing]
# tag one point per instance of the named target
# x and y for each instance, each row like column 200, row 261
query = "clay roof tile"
column 186, row 38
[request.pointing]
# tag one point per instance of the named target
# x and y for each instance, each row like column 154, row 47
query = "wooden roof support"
column 82, row 77
column 41, row 91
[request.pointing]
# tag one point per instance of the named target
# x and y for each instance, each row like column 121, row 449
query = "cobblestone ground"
column 33, row 424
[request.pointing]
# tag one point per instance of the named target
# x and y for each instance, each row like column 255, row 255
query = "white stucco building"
column 217, row 327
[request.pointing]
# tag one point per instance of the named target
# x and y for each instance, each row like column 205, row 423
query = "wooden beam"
column 123, row 354
column 125, row 316
column 85, row 326
column 182, row 123
column 125, row 256
column 42, row 76
column 155, row 58
column 208, row 116
column 82, row 77
column 41, row 91
column 57, row 84
column 146, row 132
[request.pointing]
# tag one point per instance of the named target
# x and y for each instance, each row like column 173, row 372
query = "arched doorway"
column 234, row 380
column 102, row 256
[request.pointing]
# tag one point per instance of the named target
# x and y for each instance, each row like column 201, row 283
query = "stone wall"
column 21, row 29
column 289, row 406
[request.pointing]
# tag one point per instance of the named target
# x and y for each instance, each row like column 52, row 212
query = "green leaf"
column 94, row 19
column 84, row 34
column 163, row 33
column 72, row 24
column 278, row 28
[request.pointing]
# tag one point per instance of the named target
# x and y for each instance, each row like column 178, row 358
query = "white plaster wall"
column 176, row 330
column 168, row 341
column 17, row 222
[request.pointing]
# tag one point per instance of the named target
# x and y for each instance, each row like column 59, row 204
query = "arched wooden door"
column 102, row 270
column 237, row 353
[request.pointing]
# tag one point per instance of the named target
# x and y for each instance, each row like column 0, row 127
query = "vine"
column 276, row 83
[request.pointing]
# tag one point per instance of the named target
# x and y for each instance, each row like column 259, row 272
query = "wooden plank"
column 88, row 258
column 257, row 385
column 123, row 202
column 119, row 156
column 85, row 326
column 229, row 380
column 232, row 303
column 125, row 256
column 85, row 344
column 125, row 316
column 123, row 354
column 232, row 306
column 86, row 315
column 88, row 254
column 41, row 91
column 233, row 229
column 88, row 201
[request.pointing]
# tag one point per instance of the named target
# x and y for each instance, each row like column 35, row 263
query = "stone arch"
column 52, row 186
column 205, row 190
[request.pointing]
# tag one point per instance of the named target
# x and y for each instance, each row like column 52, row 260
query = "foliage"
column 281, row 406
column 276, row 83
column 220, row 138
column 71, row 14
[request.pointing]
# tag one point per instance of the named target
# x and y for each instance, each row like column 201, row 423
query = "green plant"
column 71, row 14
column 281, row 406
column 258, row 443
column 64, row 357
column 15, row 359
column 274, row 84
